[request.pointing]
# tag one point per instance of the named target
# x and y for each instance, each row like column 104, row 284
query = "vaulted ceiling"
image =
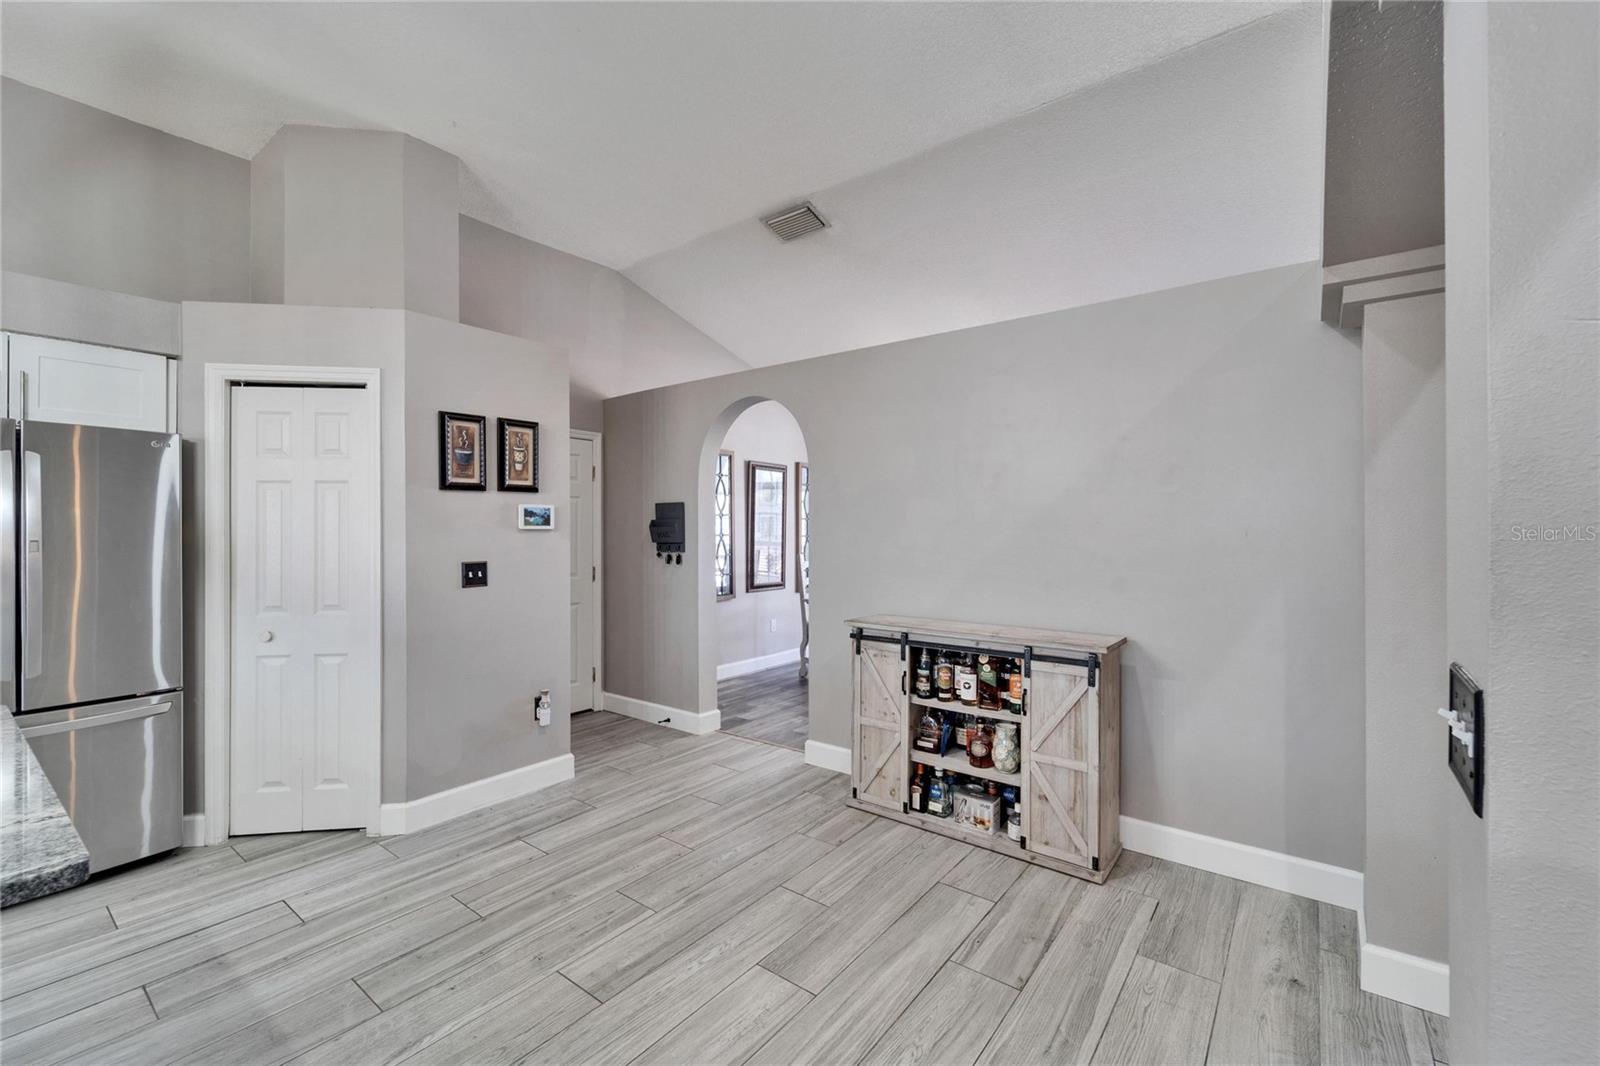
column 977, row 161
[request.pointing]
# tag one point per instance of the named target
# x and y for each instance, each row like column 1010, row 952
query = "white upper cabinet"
column 64, row 381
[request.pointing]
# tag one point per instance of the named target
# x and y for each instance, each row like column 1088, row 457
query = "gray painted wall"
column 354, row 218
column 618, row 337
column 1184, row 468
column 1523, row 361
column 1408, row 786
column 114, row 207
column 1383, row 185
column 310, row 336
column 766, row 622
column 1466, row 114
column 99, row 201
column 475, row 658
column 49, row 308
column 460, row 665
column 1543, row 378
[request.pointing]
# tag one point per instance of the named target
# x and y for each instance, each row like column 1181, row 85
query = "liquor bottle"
column 1002, row 675
column 988, row 684
column 925, row 676
column 980, row 746
column 945, row 678
column 927, row 738
column 917, row 802
column 1016, row 687
column 967, row 682
column 1014, row 823
column 939, row 804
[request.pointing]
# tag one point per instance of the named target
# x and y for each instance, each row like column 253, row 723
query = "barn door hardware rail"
column 1090, row 661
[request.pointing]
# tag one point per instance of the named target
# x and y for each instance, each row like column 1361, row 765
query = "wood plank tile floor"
column 769, row 706
column 684, row 900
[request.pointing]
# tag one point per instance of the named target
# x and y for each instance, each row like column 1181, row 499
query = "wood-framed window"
column 722, row 526
column 766, row 509
column 802, row 526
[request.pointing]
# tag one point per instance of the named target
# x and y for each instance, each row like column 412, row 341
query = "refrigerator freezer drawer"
column 118, row 769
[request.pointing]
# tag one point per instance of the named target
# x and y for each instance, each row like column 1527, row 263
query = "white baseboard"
column 408, row 817
column 756, row 665
column 659, row 714
column 828, row 756
column 1410, row 979
column 1244, row 862
column 194, row 830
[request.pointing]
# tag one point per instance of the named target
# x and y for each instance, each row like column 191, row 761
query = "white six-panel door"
column 580, row 510
column 305, row 654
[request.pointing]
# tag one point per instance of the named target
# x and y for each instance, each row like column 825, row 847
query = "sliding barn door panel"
column 1062, row 779
column 880, row 726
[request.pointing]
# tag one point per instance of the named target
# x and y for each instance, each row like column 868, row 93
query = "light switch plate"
column 474, row 575
column 1467, row 761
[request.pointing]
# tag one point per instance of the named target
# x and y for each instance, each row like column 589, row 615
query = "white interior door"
column 581, row 509
column 305, row 649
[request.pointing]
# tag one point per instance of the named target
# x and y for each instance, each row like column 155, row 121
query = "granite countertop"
column 40, row 852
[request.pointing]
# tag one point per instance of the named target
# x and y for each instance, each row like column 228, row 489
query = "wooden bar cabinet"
column 1070, row 723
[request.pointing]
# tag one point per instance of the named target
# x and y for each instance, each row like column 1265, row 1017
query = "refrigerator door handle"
column 33, row 563
column 92, row 720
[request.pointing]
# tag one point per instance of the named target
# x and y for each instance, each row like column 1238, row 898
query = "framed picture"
column 536, row 516
column 519, row 455
column 461, row 451
column 766, row 504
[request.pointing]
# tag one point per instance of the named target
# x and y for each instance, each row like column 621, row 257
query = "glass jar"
column 1007, row 749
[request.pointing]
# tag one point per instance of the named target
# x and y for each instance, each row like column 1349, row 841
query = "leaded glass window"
column 802, row 526
column 766, row 513
column 722, row 497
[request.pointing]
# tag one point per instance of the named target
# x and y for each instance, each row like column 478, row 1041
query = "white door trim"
column 217, row 555
column 599, row 563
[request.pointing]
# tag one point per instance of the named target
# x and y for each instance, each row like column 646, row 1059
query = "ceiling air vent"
column 796, row 221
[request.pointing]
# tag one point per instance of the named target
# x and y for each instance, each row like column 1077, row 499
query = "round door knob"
column 266, row 636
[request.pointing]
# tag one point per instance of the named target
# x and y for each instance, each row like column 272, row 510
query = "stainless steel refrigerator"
column 91, row 520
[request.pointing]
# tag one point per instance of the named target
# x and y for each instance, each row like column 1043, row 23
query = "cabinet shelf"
column 962, row 708
column 958, row 764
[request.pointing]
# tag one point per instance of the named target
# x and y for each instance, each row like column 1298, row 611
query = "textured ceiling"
column 1203, row 166
column 615, row 131
column 977, row 161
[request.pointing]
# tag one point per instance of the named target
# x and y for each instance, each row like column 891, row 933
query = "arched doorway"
column 755, row 584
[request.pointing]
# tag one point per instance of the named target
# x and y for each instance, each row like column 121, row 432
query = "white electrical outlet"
column 541, row 707
column 772, row 625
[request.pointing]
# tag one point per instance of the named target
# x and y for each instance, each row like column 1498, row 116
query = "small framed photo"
column 461, row 454
column 519, row 455
column 536, row 516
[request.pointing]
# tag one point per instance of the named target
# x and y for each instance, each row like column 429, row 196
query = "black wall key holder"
column 666, row 532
